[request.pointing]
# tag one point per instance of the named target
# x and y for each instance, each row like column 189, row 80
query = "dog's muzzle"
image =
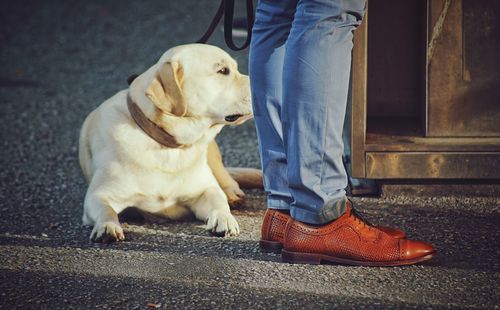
column 233, row 117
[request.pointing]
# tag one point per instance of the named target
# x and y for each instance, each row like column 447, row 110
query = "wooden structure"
column 426, row 90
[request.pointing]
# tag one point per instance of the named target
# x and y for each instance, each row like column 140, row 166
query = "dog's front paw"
column 222, row 224
column 107, row 232
column 235, row 196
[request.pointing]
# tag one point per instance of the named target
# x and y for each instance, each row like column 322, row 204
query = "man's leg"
column 267, row 51
column 315, row 85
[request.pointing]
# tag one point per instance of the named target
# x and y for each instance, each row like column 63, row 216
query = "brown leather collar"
column 150, row 128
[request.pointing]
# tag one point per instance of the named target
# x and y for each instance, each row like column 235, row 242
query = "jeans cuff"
column 278, row 203
column 332, row 211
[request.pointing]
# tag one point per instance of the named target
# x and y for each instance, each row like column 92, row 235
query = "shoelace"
column 357, row 215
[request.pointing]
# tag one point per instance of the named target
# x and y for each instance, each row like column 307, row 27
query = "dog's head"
column 199, row 80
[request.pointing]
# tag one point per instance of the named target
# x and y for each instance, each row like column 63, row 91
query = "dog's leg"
column 246, row 177
column 213, row 208
column 230, row 187
column 84, row 151
column 104, row 218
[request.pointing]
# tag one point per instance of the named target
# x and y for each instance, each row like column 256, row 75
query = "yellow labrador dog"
column 152, row 146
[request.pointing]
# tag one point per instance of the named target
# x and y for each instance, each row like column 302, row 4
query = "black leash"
column 226, row 9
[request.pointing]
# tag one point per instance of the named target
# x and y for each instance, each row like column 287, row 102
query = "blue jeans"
column 300, row 59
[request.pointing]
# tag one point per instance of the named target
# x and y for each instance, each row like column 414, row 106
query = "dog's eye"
column 224, row 70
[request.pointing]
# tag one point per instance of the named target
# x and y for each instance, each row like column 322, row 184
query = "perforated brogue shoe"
column 273, row 230
column 349, row 240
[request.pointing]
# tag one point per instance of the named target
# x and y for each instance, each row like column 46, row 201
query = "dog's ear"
column 165, row 91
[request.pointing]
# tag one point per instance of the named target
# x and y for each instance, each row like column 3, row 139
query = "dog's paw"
column 107, row 232
column 235, row 196
column 222, row 224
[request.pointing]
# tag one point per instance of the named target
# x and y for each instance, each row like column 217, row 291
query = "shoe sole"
column 276, row 247
column 270, row 246
column 317, row 259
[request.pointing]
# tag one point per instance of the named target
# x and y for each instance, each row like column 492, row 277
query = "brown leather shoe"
column 349, row 240
column 273, row 230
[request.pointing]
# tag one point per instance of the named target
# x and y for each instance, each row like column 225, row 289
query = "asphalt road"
column 59, row 60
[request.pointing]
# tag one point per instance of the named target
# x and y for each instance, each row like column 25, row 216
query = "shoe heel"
column 300, row 258
column 270, row 246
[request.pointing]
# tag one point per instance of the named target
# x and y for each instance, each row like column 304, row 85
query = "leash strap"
column 226, row 9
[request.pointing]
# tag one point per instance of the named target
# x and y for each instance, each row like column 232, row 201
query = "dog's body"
column 191, row 93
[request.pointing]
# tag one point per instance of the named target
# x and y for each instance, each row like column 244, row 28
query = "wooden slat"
column 419, row 165
column 359, row 74
column 389, row 134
